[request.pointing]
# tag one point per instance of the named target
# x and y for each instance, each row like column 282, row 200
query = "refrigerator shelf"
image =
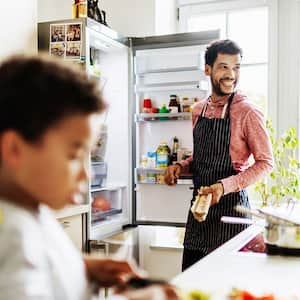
column 179, row 182
column 106, row 188
column 100, row 215
column 150, row 170
column 195, row 86
column 150, row 117
column 169, row 70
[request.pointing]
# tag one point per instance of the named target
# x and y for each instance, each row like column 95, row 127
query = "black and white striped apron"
column 212, row 162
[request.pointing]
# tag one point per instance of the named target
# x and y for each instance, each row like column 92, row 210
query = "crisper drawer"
column 106, row 204
column 73, row 227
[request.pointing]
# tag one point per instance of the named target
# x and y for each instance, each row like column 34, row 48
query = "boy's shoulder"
column 19, row 233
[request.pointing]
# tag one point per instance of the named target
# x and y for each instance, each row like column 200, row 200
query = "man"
column 227, row 130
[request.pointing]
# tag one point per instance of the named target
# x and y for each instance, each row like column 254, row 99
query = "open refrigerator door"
column 107, row 61
column 104, row 55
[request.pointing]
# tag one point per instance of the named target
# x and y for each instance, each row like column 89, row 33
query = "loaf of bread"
column 201, row 206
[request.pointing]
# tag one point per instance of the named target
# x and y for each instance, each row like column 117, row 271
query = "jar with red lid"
column 147, row 105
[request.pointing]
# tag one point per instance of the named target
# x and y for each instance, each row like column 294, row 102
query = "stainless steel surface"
column 236, row 220
column 176, row 40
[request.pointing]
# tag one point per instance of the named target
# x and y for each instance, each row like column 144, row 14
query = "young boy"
column 46, row 114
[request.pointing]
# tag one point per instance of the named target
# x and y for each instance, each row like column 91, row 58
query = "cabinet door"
column 73, row 227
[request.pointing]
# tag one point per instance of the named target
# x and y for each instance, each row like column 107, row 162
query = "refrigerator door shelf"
column 201, row 86
column 150, row 117
column 107, row 188
column 150, row 176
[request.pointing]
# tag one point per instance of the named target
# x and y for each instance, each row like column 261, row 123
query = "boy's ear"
column 11, row 145
column 207, row 70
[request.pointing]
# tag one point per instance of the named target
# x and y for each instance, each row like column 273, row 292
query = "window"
column 249, row 28
column 245, row 22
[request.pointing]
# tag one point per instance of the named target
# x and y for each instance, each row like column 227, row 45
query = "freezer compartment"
column 106, row 203
column 166, row 60
column 159, row 79
column 99, row 174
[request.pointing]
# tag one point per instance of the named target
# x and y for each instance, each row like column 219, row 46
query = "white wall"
column 128, row 17
column 165, row 17
column 18, row 32
column 49, row 10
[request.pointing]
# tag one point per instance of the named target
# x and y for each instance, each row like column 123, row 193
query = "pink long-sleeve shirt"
column 248, row 136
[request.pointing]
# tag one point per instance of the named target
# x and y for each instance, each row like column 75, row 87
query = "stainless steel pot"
column 282, row 231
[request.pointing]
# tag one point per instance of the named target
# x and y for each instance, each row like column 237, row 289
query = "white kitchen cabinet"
column 73, row 226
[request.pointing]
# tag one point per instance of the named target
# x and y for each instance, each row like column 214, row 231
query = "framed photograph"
column 73, row 50
column 73, row 32
column 57, row 33
column 58, row 49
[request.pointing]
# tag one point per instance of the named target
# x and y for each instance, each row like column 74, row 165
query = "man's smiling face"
column 224, row 74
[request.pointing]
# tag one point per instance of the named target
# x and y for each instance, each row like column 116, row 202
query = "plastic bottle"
column 99, row 148
column 151, row 160
column 174, row 157
column 163, row 110
column 163, row 153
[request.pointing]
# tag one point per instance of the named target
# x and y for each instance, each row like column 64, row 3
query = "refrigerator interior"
column 107, row 61
column 158, row 74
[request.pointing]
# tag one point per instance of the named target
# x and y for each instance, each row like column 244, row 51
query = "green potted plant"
column 282, row 183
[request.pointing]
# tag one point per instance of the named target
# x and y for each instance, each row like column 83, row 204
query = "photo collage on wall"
column 65, row 40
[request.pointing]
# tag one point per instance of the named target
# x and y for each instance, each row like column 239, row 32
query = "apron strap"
column 225, row 108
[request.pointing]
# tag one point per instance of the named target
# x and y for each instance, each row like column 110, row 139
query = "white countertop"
column 258, row 273
column 72, row 210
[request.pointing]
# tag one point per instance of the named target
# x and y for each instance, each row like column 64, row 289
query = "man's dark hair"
column 222, row 47
column 36, row 92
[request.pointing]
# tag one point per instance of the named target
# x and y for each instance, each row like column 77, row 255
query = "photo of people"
column 57, row 49
column 73, row 32
column 57, row 33
column 73, row 50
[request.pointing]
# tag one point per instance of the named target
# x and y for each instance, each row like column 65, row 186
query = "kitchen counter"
column 72, row 210
column 258, row 273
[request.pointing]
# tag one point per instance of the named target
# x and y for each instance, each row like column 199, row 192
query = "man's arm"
column 260, row 146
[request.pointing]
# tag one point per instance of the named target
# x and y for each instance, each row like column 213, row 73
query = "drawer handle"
column 65, row 224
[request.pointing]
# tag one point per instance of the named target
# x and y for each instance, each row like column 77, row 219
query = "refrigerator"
column 130, row 71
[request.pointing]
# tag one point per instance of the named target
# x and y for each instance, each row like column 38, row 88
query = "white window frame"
column 189, row 8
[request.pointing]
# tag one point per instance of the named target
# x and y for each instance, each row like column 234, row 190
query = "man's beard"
column 216, row 86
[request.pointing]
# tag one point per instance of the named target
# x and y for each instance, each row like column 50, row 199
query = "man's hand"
column 172, row 173
column 216, row 189
column 108, row 272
